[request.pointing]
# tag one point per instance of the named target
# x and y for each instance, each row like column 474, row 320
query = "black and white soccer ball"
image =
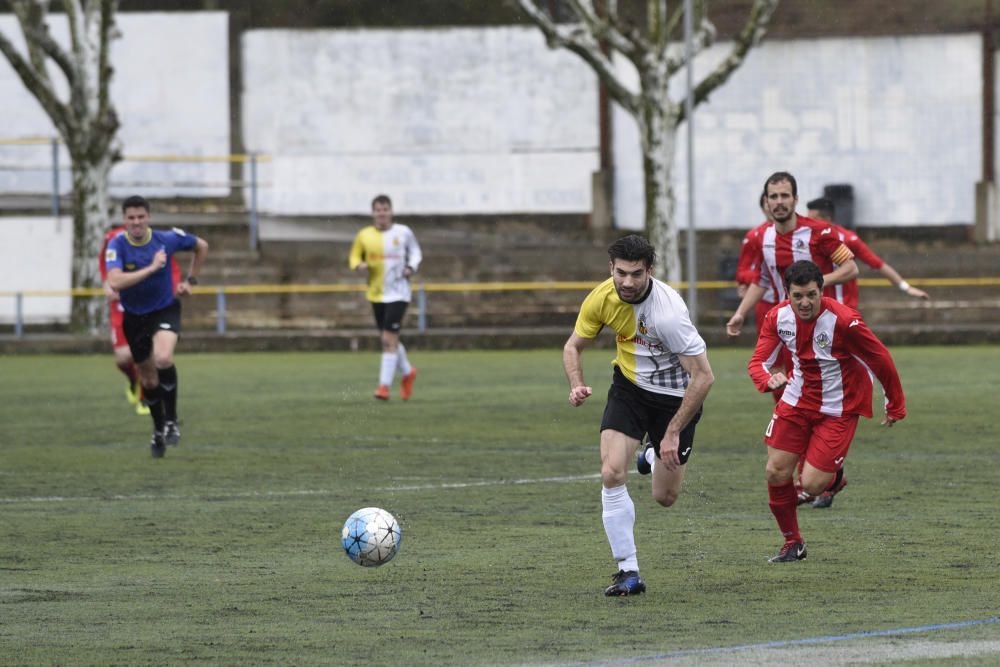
column 371, row 537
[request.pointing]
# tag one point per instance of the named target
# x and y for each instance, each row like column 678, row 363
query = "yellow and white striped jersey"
column 387, row 254
column 649, row 334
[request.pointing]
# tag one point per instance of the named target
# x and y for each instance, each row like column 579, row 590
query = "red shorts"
column 824, row 440
column 117, row 316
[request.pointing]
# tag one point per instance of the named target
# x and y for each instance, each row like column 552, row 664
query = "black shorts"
column 140, row 329
column 636, row 412
column 389, row 316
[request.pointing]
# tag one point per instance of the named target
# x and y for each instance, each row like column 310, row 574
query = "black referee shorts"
column 636, row 412
column 140, row 329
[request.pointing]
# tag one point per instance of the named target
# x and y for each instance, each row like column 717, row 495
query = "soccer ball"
column 371, row 537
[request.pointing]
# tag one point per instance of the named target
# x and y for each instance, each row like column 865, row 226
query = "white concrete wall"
column 443, row 120
column 171, row 90
column 897, row 118
column 36, row 254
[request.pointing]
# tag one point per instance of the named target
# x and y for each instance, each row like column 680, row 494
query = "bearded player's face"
column 631, row 279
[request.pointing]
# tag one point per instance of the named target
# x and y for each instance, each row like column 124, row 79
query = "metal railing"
column 252, row 184
column 222, row 292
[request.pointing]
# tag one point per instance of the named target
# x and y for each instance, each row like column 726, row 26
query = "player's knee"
column 163, row 359
column 612, row 476
column 665, row 497
column 816, row 485
column 776, row 474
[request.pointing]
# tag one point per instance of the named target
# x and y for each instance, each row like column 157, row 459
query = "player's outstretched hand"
column 919, row 293
column 577, row 395
column 734, row 325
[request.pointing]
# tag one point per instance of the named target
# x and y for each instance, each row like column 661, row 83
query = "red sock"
column 129, row 370
column 784, row 507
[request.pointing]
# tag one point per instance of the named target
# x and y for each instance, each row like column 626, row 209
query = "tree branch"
column 581, row 40
column 751, row 35
column 39, row 86
column 31, row 15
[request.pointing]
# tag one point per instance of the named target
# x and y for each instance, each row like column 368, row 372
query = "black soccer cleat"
column 157, row 446
column 641, row 464
column 171, row 434
column 625, row 583
column 825, row 499
column 789, row 553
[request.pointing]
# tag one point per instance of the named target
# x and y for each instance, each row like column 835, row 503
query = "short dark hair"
column 382, row 199
column 778, row 177
column 823, row 205
column 762, row 200
column 801, row 273
column 135, row 201
column 633, row 248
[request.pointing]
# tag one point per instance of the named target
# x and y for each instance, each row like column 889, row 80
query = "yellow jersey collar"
column 149, row 237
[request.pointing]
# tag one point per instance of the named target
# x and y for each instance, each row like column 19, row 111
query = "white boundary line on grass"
column 294, row 492
column 788, row 643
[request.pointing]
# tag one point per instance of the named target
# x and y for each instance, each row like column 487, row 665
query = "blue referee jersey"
column 157, row 291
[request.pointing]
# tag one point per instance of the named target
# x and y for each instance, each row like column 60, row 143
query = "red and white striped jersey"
column 748, row 263
column 834, row 357
column 811, row 240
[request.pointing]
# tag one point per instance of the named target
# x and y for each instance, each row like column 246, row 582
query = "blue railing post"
column 253, row 201
column 19, row 315
column 422, row 307
column 55, row 177
column 220, row 311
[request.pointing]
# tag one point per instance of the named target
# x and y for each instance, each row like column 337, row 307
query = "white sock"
column 388, row 368
column 650, row 456
column 404, row 363
column 619, row 521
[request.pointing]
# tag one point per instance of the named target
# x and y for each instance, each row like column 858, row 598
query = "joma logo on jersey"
column 785, row 332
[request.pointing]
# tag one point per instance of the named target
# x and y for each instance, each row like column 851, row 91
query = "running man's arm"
column 846, row 272
column 893, row 277
column 694, row 396
column 753, row 295
column 200, row 252
column 572, row 364
column 119, row 280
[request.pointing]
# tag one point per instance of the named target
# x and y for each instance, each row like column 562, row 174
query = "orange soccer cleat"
column 406, row 385
column 382, row 393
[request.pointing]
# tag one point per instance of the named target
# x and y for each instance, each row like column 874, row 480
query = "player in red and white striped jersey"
column 792, row 237
column 748, row 266
column 834, row 355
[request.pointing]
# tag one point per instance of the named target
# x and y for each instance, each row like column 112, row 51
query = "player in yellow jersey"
column 390, row 254
column 661, row 379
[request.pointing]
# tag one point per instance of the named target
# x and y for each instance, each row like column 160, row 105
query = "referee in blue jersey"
column 138, row 269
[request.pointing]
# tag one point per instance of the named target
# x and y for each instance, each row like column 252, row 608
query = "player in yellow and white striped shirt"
column 390, row 254
column 661, row 379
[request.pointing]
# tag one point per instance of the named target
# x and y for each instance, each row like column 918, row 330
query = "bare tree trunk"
column 658, row 139
column 90, row 221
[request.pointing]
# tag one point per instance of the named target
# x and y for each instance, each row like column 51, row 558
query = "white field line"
column 872, row 647
column 291, row 493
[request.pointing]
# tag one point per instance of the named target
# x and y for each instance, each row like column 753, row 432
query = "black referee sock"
column 168, row 383
column 153, row 396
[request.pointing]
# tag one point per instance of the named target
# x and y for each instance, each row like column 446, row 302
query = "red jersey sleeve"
column 861, row 250
column 863, row 344
column 101, row 257
column 767, row 352
column 748, row 264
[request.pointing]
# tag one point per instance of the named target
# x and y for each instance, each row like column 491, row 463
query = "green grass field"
column 228, row 550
